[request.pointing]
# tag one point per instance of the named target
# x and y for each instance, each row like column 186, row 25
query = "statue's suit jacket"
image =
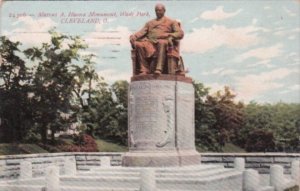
column 156, row 30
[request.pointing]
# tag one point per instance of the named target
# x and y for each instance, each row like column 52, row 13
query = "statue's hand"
column 170, row 41
column 132, row 39
column 163, row 36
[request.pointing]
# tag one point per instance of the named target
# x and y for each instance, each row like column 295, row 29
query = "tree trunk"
column 44, row 133
column 52, row 135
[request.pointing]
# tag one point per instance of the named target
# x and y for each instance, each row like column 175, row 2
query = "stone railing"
column 258, row 161
column 212, row 177
column 10, row 164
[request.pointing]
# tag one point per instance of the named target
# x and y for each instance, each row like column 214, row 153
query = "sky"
column 251, row 46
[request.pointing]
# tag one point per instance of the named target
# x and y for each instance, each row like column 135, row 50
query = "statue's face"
column 160, row 11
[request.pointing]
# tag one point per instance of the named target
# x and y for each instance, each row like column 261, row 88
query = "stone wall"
column 257, row 161
column 10, row 164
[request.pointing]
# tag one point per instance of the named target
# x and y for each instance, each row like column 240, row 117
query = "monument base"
column 161, row 159
column 161, row 122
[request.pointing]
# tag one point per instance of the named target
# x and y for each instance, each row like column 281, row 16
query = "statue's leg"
column 161, row 50
column 141, row 54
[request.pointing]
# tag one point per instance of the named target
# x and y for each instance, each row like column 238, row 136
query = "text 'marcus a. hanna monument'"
column 160, row 98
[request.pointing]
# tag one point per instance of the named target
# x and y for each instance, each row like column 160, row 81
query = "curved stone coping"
column 258, row 161
column 162, row 77
column 21, row 156
column 268, row 154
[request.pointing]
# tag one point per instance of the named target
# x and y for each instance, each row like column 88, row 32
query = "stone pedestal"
column 161, row 122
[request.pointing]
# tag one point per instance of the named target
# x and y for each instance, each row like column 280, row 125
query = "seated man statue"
column 155, row 38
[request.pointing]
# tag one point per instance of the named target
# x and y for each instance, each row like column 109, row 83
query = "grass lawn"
column 13, row 149
column 103, row 145
column 231, row 148
column 106, row 146
column 228, row 148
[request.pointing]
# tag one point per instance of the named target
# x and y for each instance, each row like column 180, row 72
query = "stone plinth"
column 161, row 122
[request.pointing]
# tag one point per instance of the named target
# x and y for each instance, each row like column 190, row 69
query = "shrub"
column 82, row 143
column 260, row 141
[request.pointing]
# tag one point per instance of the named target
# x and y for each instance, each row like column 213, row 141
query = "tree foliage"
column 52, row 82
column 260, row 140
column 15, row 85
column 218, row 118
column 205, row 136
column 282, row 119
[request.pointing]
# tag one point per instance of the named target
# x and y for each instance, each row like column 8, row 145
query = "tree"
column 53, row 81
column 85, row 78
column 97, row 114
column 229, row 116
column 260, row 140
column 107, row 112
column 120, row 90
column 281, row 119
column 205, row 135
column 15, row 112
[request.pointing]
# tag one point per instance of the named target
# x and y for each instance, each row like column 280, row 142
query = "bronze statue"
column 156, row 46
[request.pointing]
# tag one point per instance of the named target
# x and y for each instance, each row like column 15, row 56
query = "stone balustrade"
column 257, row 161
column 65, row 176
column 10, row 164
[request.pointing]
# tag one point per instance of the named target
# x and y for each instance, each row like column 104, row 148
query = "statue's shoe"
column 157, row 72
column 143, row 73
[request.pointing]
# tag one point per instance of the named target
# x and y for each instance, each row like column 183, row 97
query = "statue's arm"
column 140, row 34
column 177, row 33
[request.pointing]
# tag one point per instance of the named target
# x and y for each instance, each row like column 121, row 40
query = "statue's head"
column 160, row 10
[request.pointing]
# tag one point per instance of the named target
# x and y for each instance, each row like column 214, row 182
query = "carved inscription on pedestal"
column 152, row 126
column 146, row 117
column 146, row 109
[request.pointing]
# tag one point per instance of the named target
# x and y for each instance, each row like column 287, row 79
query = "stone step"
column 166, row 169
column 192, row 178
column 229, row 181
column 20, row 188
column 63, row 188
column 116, row 174
column 72, row 188
column 184, row 179
column 130, row 181
column 195, row 174
column 92, row 181
column 168, row 180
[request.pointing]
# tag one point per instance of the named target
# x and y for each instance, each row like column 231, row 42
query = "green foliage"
column 15, row 112
column 205, row 137
column 282, row 119
column 229, row 115
column 218, row 118
column 260, row 141
column 111, row 108
column 52, row 82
